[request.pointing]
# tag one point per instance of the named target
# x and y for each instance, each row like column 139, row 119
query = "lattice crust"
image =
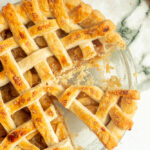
column 108, row 114
column 46, row 120
column 74, row 18
column 43, row 32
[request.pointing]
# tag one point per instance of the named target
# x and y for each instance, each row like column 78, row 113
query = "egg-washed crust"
column 120, row 105
column 41, row 121
column 77, row 21
column 75, row 18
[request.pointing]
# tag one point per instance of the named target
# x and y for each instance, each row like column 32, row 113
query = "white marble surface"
column 133, row 20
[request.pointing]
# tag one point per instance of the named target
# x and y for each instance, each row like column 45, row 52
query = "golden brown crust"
column 111, row 103
column 3, row 23
column 21, row 12
column 119, row 119
column 36, row 18
column 51, row 38
column 87, row 34
column 44, row 7
column 62, row 17
column 42, row 125
column 66, row 99
column 128, row 106
column 30, row 10
column 95, row 125
column 14, row 136
column 19, row 32
column 7, row 123
column 131, row 94
column 115, row 39
column 25, row 99
column 72, row 4
column 13, row 73
column 3, row 78
column 89, row 21
column 26, row 144
column 93, row 91
column 24, row 39
column 40, row 120
column 107, row 101
column 7, row 44
column 43, row 27
column 79, row 13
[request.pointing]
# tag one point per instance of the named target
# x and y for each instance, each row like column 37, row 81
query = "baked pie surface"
column 32, row 121
column 53, row 36
column 41, row 40
column 107, row 113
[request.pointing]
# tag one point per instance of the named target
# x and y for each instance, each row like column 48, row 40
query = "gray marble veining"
column 133, row 22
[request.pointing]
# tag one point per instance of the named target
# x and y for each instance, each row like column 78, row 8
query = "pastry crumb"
column 135, row 74
column 109, row 68
column 79, row 148
column 113, row 82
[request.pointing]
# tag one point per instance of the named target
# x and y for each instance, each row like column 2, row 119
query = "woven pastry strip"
column 40, row 121
column 30, row 10
column 95, row 107
column 23, row 37
column 75, row 18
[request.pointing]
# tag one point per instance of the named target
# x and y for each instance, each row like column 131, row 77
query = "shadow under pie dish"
column 40, row 41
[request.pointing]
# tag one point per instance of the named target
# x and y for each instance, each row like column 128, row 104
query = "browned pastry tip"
column 131, row 94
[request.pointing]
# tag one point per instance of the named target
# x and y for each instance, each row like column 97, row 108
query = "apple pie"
column 52, row 38
column 40, row 40
column 107, row 113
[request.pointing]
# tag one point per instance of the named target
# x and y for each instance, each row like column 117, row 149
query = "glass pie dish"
column 123, row 68
column 118, row 70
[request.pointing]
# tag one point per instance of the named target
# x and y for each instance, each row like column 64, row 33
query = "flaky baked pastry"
column 107, row 113
column 39, row 41
column 31, row 121
column 51, row 37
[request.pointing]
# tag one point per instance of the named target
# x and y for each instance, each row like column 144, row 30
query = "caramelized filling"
column 75, row 54
column 41, row 42
column 8, row 92
column 54, row 65
column 61, row 33
column 18, row 54
column 89, row 103
column 21, row 116
column 59, row 128
column 3, row 133
column 29, row 24
column 98, row 47
column 38, row 141
column 45, row 102
column 32, row 77
column 6, row 34
column 1, row 66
